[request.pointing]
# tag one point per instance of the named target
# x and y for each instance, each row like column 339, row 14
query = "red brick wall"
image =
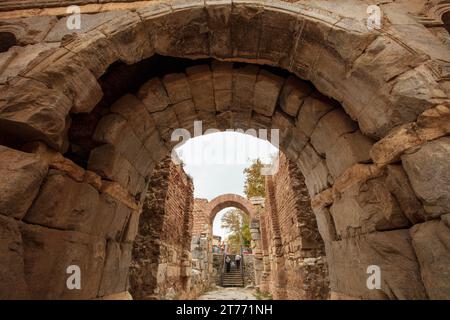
column 200, row 216
column 295, row 259
column 161, row 258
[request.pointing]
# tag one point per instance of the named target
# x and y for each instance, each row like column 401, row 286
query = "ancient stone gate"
column 369, row 131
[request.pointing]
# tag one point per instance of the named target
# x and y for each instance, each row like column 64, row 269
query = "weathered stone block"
column 318, row 178
column 325, row 224
column 12, row 277
column 314, row 108
column 428, row 170
column 166, row 121
column 132, row 227
column 398, row 185
column 111, row 217
column 391, row 251
column 155, row 145
column 29, row 30
column 58, row 70
column 89, row 22
column 279, row 30
column 365, row 207
column 85, row 48
column 244, row 80
column 109, row 163
column 17, row 59
column 136, row 182
column 245, row 30
column 329, row 128
column 129, row 145
column 30, row 110
column 293, row 94
column 153, row 95
column 308, row 159
column 297, row 143
column 185, row 114
column 127, row 35
column 431, row 242
column 65, row 204
column 202, row 87
column 219, row 26
column 22, row 174
column 115, row 271
column 132, row 109
column 144, row 161
column 285, row 128
column 170, row 32
column 408, row 104
column 110, row 129
column 177, row 87
column 347, row 150
column 47, row 255
column 267, row 89
column 313, row 38
column 223, row 99
column 223, row 84
column 431, row 124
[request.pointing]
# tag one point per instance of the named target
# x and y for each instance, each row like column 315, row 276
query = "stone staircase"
column 233, row 278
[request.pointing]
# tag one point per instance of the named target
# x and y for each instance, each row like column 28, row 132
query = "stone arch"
column 230, row 200
column 199, row 30
column 38, row 105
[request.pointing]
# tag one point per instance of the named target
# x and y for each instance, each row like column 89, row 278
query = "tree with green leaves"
column 237, row 224
column 254, row 180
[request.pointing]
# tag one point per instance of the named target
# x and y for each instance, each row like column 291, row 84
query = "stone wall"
column 60, row 215
column 161, row 266
column 217, row 268
column 295, row 255
column 201, row 224
column 201, row 277
column 249, row 270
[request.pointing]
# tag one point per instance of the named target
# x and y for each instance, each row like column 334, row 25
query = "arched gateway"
column 375, row 158
column 230, row 200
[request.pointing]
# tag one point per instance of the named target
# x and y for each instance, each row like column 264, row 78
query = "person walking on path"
column 227, row 263
column 237, row 259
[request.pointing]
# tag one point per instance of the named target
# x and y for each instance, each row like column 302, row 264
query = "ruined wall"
column 161, row 264
column 201, row 248
column 201, row 219
column 74, row 219
column 295, row 251
column 249, row 270
column 217, row 268
column 201, row 275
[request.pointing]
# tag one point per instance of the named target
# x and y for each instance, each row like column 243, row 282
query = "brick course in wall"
column 294, row 256
column 201, row 219
column 161, row 264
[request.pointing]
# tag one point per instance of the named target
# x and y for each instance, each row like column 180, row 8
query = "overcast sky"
column 216, row 163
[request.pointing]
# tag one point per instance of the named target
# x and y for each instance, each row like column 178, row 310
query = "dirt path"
column 229, row 294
